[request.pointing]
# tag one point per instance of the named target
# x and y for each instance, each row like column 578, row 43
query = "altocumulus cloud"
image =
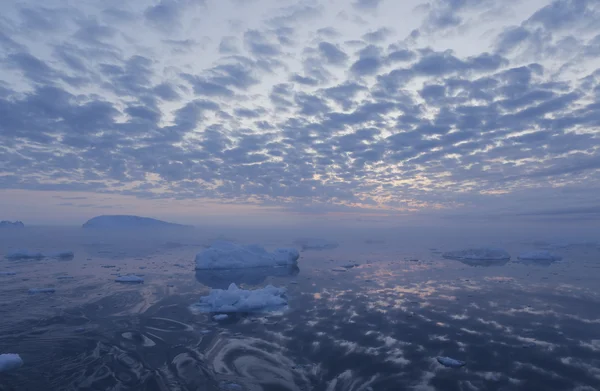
column 316, row 104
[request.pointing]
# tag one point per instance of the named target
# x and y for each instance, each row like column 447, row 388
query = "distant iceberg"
column 129, row 222
column 227, row 255
column 28, row 254
column 479, row 254
column 11, row 224
column 539, row 255
column 10, row 361
column 316, row 244
column 235, row 299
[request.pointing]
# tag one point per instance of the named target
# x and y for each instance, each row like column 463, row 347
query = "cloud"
column 366, row 4
column 157, row 100
column 332, row 54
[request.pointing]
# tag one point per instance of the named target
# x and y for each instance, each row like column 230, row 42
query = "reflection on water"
column 221, row 279
column 378, row 326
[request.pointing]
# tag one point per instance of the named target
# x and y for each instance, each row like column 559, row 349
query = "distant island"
column 11, row 224
column 129, row 222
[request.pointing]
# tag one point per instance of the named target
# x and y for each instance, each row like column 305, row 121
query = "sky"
column 364, row 110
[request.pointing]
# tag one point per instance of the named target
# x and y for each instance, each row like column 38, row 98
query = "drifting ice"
column 227, row 255
column 10, row 361
column 541, row 255
column 482, row 254
column 235, row 299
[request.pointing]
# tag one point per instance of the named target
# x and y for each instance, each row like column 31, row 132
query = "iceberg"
column 11, row 224
column 235, row 299
column 220, row 317
column 316, row 244
column 129, row 222
column 451, row 362
column 130, row 278
column 479, row 254
column 27, row 254
column 227, row 255
column 540, row 255
column 10, row 361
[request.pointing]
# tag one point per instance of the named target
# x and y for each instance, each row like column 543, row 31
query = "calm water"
column 377, row 326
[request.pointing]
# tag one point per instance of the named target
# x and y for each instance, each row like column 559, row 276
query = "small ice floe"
column 108, row 266
column 8, row 274
column 339, row 269
column 539, row 255
column 205, row 331
column 130, row 278
column 350, row 265
column 10, row 361
column 65, row 277
column 227, row 255
column 235, row 299
column 35, row 291
column 451, row 362
column 220, row 317
column 479, row 254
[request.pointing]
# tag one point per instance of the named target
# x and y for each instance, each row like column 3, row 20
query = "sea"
column 373, row 310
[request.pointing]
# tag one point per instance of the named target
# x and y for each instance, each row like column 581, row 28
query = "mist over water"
column 372, row 313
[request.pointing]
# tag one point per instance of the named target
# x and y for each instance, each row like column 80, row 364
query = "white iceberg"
column 130, row 278
column 316, row 244
column 28, row 254
column 35, row 291
column 227, row 255
column 235, row 299
column 539, row 255
column 479, row 254
column 10, row 361
column 451, row 362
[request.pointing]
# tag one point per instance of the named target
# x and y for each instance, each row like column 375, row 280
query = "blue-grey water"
column 377, row 326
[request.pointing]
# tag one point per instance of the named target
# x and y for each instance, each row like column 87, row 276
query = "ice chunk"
column 27, row 254
column 130, row 278
column 483, row 254
column 220, row 317
column 10, row 361
column 540, row 255
column 8, row 274
column 227, row 255
column 316, row 244
column 451, row 362
column 339, row 269
column 65, row 277
column 34, row 291
column 235, row 299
